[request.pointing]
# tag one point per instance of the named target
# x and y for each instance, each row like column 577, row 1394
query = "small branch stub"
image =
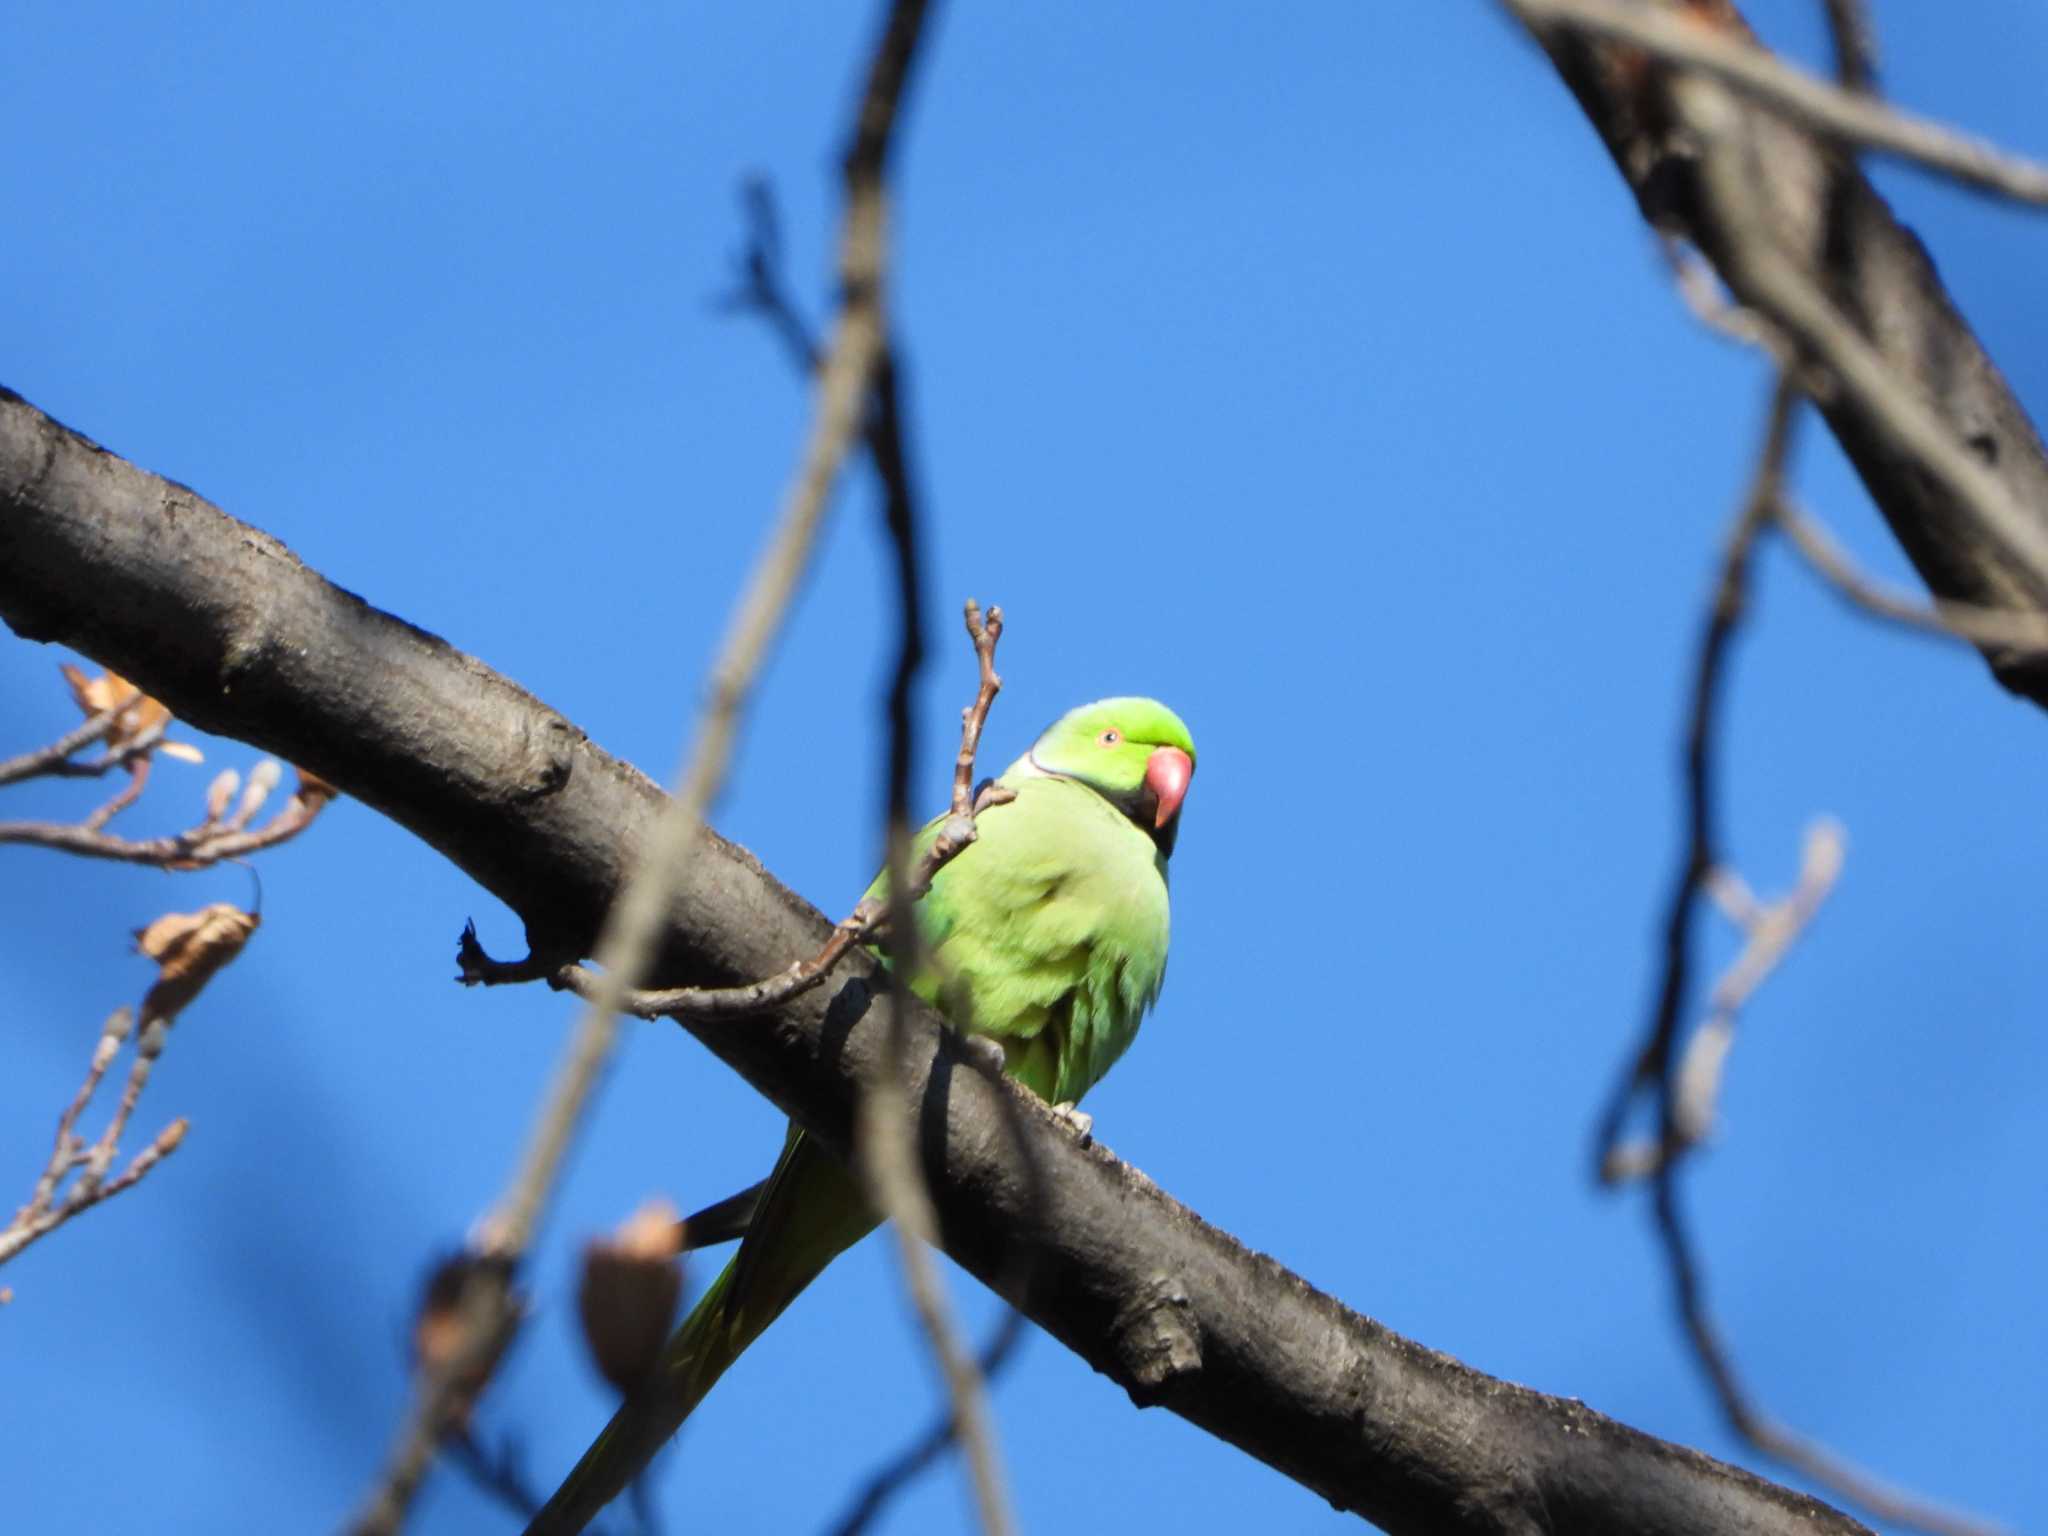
column 1158, row 1342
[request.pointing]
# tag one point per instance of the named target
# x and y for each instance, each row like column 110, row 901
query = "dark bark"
column 1821, row 212
column 226, row 626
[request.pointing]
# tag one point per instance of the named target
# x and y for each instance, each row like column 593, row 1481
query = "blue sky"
column 1307, row 368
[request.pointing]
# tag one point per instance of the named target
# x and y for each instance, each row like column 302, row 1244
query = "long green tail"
column 810, row 1212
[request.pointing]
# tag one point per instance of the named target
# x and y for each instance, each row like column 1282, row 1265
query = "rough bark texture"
column 1823, row 214
column 232, row 631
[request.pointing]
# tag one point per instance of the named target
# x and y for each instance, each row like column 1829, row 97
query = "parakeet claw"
column 1082, row 1125
column 985, row 1051
column 991, row 793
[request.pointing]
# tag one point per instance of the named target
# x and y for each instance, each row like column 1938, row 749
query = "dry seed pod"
column 631, row 1286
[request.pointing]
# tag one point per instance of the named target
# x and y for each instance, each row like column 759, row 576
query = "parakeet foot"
column 985, row 1051
column 1082, row 1125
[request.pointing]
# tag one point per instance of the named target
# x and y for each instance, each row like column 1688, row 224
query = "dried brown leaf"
column 189, row 947
column 95, row 695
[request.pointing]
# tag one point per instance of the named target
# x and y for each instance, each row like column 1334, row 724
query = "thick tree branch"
column 236, row 635
column 1797, row 233
column 1706, row 35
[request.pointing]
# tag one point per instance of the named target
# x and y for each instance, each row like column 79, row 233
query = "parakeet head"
column 1135, row 753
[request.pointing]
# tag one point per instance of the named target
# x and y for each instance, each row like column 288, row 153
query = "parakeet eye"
column 1109, row 738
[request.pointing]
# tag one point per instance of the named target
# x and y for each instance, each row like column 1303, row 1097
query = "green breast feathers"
column 1049, row 932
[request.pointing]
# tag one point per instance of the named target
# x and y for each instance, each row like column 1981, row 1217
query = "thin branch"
column 1650, row 1068
column 762, row 288
column 1855, row 42
column 901, row 1470
column 634, row 925
column 69, row 1150
column 1769, row 931
column 46, row 1209
column 1766, row 1434
column 1657, row 1066
column 127, row 795
column 498, row 1474
column 2015, row 628
column 1757, row 188
column 55, row 759
column 100, row 1160
column 883, row 1138
column 895, row 1184
column 1701, row 290
column 888, row 1151
column 1841, row 114
column 632, row 929
column 200, row 847
column 975, row 715
column 1793, row 301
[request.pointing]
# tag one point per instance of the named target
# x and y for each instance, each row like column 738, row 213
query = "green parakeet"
column 1048, row 935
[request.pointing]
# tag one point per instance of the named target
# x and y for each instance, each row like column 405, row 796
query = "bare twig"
column 1847, row 115
column 55, row 759
column 633, row 926
column 132, row 725
column 896, row 1473
column 214, row 839
column 500, row 1474
column 634, row 923
column 47, row 1210
column 1703, row 294
column 762, row 289
column 1769, row 931
column 127, row 795
column 1651, row 1067
column 1657, row 1066
column 885, row 1134
column 1855, row 41
column 975, row 716
column 1970, row 623
column 1791, row 300
column 189, row 948
column 68, row 1149
column 911, row 1210
column 1766, row 1434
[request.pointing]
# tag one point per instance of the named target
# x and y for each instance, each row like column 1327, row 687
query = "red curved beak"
column 1167, row 772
